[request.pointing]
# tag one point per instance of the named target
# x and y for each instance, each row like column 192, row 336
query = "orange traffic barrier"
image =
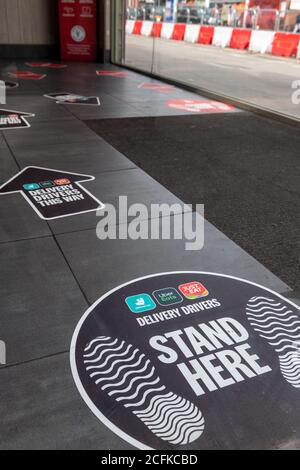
column 206, row 34
column 137, row 27
column 285, row 44
column 240, row 38
column 156, row 30
column 178, row 32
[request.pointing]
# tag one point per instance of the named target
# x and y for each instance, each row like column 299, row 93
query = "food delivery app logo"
column 193, row 290
column 167, row 296
column 140, row 303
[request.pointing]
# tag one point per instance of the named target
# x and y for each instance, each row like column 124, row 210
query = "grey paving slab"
column 107, row 187
column 8, row 166
column 111, row 108
column 101, row 265
column 75, row 83
column 139, row 92
column 90, row 83
column 2, row 141
column 124, row 111
column 42, row 134
column 116, row 87
column 25, row 88
column 90, row 157
column 18, row 220
column 41, row 408
column 40, row 300
column 44, row 109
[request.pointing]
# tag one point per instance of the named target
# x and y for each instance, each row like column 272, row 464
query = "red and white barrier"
column 206, row 35
column 129, row 26
column 137, row 28
column 282, row 44
column 147, row 28
column 178, row 32
column 167, row 30
column 222, row 36
column 240, row 38
column 261, row 41
column 285, row 45
column 156, row 31
column 192, row 33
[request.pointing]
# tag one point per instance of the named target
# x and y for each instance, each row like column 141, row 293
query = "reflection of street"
column 261, row 80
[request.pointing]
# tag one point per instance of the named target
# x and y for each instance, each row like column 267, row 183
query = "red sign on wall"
column 78, row 29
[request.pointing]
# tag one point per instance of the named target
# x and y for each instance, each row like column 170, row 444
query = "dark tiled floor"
column 51, row 272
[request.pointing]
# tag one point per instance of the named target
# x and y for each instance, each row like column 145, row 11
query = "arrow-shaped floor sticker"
column 9, row 85
column 71, row 98
column 52, row 193
column 25, row 75
column 13, row 119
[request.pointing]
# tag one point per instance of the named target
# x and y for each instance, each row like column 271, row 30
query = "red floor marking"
column 27, row 75
column 200, row 106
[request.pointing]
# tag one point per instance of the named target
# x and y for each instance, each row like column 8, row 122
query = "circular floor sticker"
column 200, row 106
column 10, row 85
column 192, row 360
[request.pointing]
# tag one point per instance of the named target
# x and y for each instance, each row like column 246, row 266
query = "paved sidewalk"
column 51, row 272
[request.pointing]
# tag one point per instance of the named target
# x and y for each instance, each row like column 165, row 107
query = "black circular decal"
column 192, row 360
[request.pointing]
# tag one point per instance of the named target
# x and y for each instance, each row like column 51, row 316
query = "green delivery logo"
column 140, row 303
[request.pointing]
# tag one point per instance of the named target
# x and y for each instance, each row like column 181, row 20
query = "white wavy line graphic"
column 267, row 313
column 280, row 334
column 273, row 323
column 270, row 304
column 114, row 364
column 163, row 410
column 185, row 431
column 280, row 328
column 286, row 357
column 263, row 306
column 155, row 400
column 164, row 419
column 127, row 374
column 285, row 340
column 143, row 399
column 135, row 379
column 130, row 372
column 265, row 299
column 98, row 359
column 296, row 347
column 272, row 317
column 294, row 374
column 107, row 371
column 267, row 310
column 291, row 367
column 99, row 338
column 99, row 347
column 167, row 415
column 188, row 413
